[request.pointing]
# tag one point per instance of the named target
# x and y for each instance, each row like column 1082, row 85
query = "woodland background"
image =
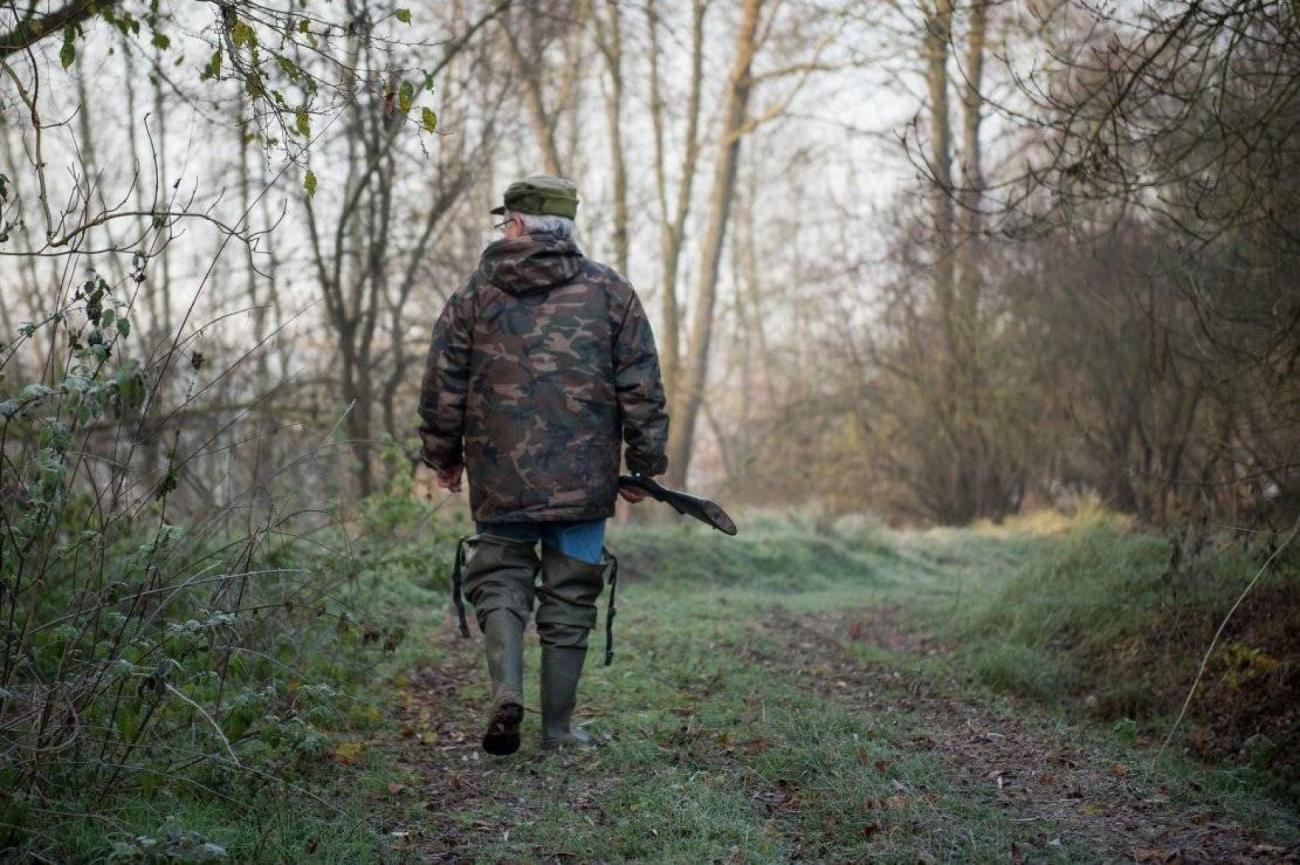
column 931, row 261
column 939, row 262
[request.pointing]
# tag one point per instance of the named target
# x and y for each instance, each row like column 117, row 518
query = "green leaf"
column 161, row 41
column 34, row 391
column 69, row 51
column 309, row 183
column 288, row 67
column 428, row 119
column 302, row 122
column 214, row 65
column 304, row 25
column 242, row 34
column 404, row 15
column 405, row 96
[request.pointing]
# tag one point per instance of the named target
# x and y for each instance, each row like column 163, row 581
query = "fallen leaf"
column 349, row 753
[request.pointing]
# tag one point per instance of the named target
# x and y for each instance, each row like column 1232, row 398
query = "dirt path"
column 1036, row 773
column 449, row 796
column 455, row 805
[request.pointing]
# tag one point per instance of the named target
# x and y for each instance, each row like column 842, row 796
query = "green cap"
column 541, row 195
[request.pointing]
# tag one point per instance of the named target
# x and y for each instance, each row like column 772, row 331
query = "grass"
column 717, row 760
column 1096, row 616
column 714, row 757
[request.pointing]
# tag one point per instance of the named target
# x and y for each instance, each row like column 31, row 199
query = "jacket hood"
column 531, row 264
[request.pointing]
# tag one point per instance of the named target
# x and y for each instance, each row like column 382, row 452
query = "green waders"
column 566, row 613
column 498, row 580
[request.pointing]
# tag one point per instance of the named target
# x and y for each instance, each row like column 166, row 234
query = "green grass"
column 1015, row 668
column 268, row 827
column 703, row 741
column 1093, row 610
column 717, row 758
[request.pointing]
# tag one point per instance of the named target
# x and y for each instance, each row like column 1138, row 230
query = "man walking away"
column 542, row 367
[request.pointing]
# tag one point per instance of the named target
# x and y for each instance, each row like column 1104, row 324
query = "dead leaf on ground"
column 349, row 753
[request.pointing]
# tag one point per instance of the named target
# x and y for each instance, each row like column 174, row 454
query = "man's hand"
column 449, row 478
column 632, row 494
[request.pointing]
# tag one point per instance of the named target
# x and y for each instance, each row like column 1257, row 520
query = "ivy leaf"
column 428, row 119
column 403, row 15
column 309, row 183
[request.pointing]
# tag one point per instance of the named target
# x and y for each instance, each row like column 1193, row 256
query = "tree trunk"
column 734, row 113
column 609, row 36
column 673, row 218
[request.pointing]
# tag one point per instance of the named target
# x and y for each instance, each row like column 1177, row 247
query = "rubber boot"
column 499, row 575
column 561, row 670
column 503, row 638
column 566, row 613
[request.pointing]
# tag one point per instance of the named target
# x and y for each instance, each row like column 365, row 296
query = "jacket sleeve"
column 446, row 384
column 640, row 392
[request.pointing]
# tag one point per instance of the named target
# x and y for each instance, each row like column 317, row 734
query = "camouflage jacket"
column 542, row 364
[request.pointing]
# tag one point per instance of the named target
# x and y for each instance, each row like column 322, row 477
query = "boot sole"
column 502, row 736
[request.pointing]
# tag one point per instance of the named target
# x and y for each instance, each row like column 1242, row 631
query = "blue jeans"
column 582, row 539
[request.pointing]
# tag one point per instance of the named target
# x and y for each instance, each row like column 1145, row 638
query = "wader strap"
column 457, row 576
column 611, row 610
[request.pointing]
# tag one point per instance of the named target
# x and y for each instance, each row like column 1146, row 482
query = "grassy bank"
column 1098, row 618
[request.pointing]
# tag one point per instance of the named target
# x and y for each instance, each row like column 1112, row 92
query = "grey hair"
column 559, row 226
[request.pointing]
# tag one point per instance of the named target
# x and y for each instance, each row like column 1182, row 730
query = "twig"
column 215, row 726
column 1200, row 674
